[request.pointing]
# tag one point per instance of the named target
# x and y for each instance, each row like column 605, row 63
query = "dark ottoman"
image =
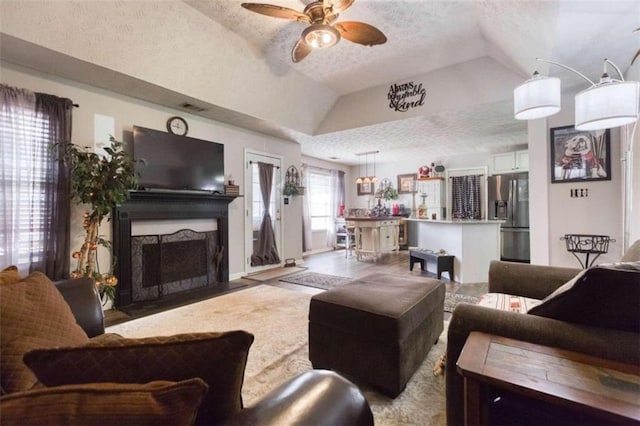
column 377, row 329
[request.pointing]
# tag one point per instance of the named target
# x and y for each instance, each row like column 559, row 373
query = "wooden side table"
column 605, row 390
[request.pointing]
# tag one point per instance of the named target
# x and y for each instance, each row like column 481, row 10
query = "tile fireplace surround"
column 168, row 206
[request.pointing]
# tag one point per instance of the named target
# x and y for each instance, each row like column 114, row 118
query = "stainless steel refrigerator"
column 509, row 201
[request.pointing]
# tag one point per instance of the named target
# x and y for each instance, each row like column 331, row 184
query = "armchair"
column 202, row 371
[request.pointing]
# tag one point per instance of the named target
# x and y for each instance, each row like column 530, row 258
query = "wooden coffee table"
column 599, row 388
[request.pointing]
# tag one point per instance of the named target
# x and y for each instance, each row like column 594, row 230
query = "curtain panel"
column 266, row 252
column 34, row 188
column 465, row 194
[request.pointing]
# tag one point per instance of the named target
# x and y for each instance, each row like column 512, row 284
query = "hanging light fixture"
column 374, row 178
column 359, row 179
column 366, row 179
column 606, row 104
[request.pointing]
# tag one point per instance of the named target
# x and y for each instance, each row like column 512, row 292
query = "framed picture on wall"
column 365, row 188
column 579, row 155
column 406, row 183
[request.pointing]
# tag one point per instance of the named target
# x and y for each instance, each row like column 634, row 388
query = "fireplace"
column 153, row 264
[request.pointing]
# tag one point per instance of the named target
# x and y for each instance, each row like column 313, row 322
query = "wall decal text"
column 404, row 96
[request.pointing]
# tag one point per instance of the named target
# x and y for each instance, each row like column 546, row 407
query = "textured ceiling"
column 424, row 36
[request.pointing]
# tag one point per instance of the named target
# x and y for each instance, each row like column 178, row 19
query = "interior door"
column 254, row 205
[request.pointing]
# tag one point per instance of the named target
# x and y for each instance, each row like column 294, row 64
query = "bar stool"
column 350, row 240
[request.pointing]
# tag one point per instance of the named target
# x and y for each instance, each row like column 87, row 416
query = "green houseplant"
column 290, row 189
column 100, row 182
column 388, row 192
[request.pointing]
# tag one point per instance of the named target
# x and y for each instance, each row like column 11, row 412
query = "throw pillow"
column 154, row 403
column 605, row 296
column 33, row 315
column 507, row 302
column 217, row 358
column 9, row 275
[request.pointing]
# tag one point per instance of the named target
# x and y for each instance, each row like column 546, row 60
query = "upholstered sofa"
column 596, row 313
column 59, row 367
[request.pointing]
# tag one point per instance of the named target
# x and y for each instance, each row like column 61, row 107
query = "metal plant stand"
column 587, row 245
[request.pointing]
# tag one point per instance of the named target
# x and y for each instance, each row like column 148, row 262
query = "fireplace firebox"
column 166, row 266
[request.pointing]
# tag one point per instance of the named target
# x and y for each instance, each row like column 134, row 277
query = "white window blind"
column 24, row 154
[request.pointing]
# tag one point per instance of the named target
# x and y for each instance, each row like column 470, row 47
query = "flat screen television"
column 177, row 162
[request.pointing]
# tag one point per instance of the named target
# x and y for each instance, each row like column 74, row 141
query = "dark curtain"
column 266, row 252
column 307, row 235
column 465, row 194
column 341, row 189
column 56, row 127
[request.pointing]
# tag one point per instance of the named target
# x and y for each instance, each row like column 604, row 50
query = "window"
column 320, row 200
column 24, row 180
column 34, row 192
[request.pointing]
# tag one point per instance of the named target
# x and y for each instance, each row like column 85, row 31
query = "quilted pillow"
column 9, row 275
column 154, row 403
column 33, row 315
column 605, row 296
column 217, row 358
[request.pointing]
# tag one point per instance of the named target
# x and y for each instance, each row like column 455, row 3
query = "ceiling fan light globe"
column 320, row 36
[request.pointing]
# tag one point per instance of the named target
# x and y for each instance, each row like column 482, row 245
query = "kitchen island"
column 375, row 235
column 474, row 243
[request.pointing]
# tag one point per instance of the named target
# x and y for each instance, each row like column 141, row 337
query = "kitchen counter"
column 375, row 235
column 459, row 221
column 474, row 243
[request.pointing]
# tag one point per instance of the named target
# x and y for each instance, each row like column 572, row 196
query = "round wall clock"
column 177, row 126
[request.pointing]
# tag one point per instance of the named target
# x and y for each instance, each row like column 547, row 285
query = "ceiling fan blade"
column 361, row 33
column 300, row 51
column 276, row 11
column 337, row 6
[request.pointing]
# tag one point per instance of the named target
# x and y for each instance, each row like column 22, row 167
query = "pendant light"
column 366, row 179
column 374, row 178
column 359, row 180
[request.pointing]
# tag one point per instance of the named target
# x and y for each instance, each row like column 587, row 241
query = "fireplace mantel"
column 148, row 205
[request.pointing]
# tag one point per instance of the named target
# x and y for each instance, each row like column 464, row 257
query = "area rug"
column 314, row 279
column 275, row 273
column 451, row 300
column 277, row 318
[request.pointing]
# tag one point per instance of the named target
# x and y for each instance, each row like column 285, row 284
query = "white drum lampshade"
column 607, row 105
column 537, row 97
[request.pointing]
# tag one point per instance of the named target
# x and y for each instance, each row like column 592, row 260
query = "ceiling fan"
column 322, row 32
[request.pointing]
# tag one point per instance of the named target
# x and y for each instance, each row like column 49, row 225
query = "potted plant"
column 388, row 192
column 290, row 189
column 100, row 182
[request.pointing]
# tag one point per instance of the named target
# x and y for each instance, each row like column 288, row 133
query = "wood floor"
column 336, row 263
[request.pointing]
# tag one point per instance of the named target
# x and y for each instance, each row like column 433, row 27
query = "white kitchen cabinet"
column 510, row 162
column 375, row 236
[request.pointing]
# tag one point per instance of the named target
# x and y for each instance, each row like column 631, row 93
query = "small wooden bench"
column 444, row 262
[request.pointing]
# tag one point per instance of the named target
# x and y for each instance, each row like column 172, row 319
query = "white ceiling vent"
column 191, row 107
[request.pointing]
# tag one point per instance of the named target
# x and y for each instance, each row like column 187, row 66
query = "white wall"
column 453, row 88
column 128, row 112
column 600, row 213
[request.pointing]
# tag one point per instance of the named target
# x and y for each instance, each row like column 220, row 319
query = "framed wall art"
column 579, row 155
column 365, row 188
column 406, row 183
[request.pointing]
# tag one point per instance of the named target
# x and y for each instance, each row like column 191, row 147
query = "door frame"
column 276, row 195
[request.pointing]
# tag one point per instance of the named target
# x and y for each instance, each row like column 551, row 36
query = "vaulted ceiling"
column 468, row 55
